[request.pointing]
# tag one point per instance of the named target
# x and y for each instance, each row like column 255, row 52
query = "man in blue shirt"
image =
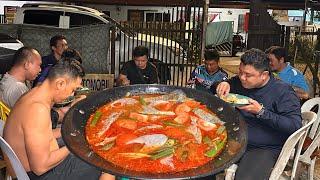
column 204, row 76
column 272, row 115
column 279, row 64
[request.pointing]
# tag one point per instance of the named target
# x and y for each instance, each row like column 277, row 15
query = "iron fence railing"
column 2, row 19
column 175, row 46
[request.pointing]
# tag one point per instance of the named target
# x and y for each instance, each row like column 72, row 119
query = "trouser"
column 71, row 168
column 256, row 164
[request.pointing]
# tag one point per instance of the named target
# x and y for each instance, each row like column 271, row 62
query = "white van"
column 68, row 16
column 57, row 15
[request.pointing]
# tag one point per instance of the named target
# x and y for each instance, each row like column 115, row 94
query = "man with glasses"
column 272, row 115
column 139, row 70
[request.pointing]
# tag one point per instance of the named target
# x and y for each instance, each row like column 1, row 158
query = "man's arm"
column 154, row 79
column 287, row 117
column 192, row 77
column 123, row 80
column 38, row 135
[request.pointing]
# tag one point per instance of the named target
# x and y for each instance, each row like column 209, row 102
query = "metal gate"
column 174, row 45
column 263, row 30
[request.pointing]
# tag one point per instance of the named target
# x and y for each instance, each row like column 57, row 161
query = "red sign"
column 246, row 22
column 9, row 13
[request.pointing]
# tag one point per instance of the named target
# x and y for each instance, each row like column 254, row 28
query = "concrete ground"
column 230, row 65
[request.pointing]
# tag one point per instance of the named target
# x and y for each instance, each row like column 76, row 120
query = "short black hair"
column 23, row 54
column 256, row 58
column 278, row 52
column 211, row 54
column 140, row 51
column 72, row 53
column 66, row 67
column 54, row 40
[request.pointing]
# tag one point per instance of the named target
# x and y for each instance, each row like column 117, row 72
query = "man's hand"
column 63, row 110
column 78, row 98
column 56, row 132
column 191, row 81
column 223, row 89
column 301, row 93
column 123, row 80
column 199, row 80
column 254, row 107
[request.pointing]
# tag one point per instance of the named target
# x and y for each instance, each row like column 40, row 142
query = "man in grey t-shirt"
column 26, row 67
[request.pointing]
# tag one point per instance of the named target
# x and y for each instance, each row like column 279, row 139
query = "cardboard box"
column 98, row 82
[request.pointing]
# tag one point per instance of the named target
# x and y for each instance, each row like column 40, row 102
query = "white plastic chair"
column 314, row 134
column 295, row 139
column 3, row 163
column 307, row 106
column 15, row 162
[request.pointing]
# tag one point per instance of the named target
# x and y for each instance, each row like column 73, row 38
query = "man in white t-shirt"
column 26, row 67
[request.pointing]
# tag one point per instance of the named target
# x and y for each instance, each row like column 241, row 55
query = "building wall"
column 228, row 15
column 120, row 13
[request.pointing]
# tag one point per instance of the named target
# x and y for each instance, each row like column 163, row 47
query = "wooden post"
column 316, row 70
column 113, row 49
column 204, row 27
column 312, row 15
column 305, row 15
column 287, row 41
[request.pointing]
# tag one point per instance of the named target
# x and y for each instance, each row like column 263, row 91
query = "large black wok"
column 75, row 120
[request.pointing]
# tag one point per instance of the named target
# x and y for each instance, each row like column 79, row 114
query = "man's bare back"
column 28, row 131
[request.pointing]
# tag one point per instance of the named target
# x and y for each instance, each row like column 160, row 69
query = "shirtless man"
column 28, row 129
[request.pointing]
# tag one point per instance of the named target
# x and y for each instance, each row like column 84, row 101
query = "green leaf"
column 142, row 101
column 168, row 123
column 107, row 146
column 213, row 152
column 207, row 140
column 220, row 130
column 165, row 153
column 95, row 118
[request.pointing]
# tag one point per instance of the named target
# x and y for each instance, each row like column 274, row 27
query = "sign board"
column 10, row 13
column 98, row 82
column 280, row 15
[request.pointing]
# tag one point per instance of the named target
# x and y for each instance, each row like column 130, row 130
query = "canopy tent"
column 219, row 33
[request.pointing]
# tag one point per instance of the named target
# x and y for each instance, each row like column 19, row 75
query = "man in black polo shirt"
column 139, row 70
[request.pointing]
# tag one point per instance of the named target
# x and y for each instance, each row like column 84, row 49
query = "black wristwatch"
column 261, row 112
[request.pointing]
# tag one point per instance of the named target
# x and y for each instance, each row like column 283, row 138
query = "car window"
column 42, row 17
column 82, row 19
